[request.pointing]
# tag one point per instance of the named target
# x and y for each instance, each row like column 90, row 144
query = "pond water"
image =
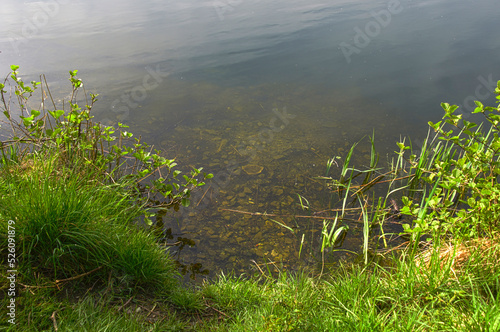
column 274, row 88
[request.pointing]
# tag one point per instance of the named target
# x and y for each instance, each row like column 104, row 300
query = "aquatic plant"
column 449, row 189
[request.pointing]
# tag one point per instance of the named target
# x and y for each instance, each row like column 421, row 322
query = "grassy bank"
column 410, row 296
column 72, row 191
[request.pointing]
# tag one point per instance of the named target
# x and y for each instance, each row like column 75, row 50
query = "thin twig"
column 172, row 244
column 151, row 311
column 336, row 210
column 363, row 185
column 203, row 195
column 53, row 317
column 236, row 150
column 220, row 312
column 285, row 215
column 397, row 247
column 257, row 266
column 50, row 94
column 125, row 304
column 78, row 276
column 57, row 282
column 109, row 283
column 369, row 184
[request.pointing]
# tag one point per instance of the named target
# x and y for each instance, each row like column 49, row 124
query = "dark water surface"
column 281, row 85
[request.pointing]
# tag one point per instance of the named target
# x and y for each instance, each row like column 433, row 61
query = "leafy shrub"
column 75, row 136
column 450, row 188
column 464, row 188
column 73, row 189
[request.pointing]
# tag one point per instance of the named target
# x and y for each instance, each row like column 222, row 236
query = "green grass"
column 68, row 222
column 411, row 295
column 44, row 311
column 85, row 265
column 405, row 297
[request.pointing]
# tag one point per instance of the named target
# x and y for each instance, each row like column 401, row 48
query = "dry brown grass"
column 483, row 251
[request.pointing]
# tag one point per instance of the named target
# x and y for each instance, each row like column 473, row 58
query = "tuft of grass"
column 69, row 223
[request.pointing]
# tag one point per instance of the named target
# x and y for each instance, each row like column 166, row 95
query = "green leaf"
column 185, row 202
column 477, row 110
column 401, row 145
column 27, row 120
column 469, row 124
column 435, row 126
column 405, row 210
column 56, row 114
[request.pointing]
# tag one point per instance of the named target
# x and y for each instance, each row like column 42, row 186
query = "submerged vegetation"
column 73, row 194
